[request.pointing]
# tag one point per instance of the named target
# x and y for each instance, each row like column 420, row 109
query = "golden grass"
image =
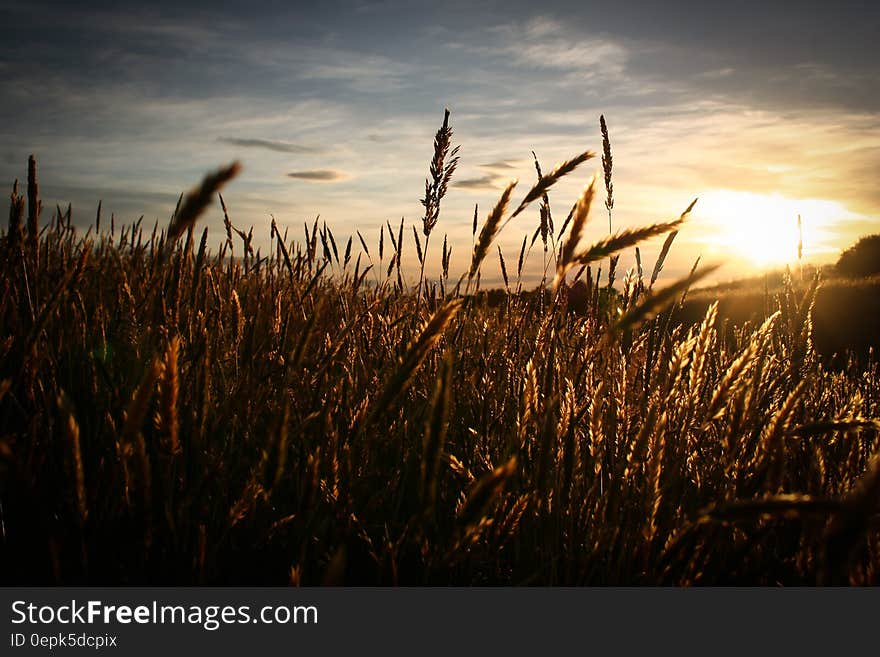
column 177, row 417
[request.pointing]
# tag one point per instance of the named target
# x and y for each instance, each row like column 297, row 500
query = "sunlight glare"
column 763, row 229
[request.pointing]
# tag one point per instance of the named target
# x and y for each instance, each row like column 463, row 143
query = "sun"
column 762, row 229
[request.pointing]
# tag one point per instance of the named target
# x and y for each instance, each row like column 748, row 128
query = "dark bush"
column 862, row 259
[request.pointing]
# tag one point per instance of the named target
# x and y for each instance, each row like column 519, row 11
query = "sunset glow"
column 331, row 110
column 763, row 229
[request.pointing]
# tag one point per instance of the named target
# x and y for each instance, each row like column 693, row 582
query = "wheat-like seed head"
column 544, row 183
column 197, row 200
column 579, row 215
column 490, row 229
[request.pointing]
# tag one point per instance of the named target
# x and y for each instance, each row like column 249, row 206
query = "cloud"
column 502, row 164
column 546, row 44
column 268, row 144
column 497, row 173
column 360, row 71
column 319, row 175
column 475, row 184
column 717, row 73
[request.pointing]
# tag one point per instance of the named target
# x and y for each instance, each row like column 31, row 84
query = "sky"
column 762, row 111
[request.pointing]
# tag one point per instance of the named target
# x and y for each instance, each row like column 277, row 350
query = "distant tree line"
column 861, row 259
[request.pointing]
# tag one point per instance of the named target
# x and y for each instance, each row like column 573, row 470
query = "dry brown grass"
column 171, row 417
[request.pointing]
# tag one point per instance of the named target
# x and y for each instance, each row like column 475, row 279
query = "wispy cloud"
column 489, row 181
column 502, row 164
column 362, row 72
column 716, row 73
column 544, row 43
column 319, row 175
column 268, row 144
column 496, row 174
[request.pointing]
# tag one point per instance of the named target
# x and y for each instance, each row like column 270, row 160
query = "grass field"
column 835, row 340
column 172, row 415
